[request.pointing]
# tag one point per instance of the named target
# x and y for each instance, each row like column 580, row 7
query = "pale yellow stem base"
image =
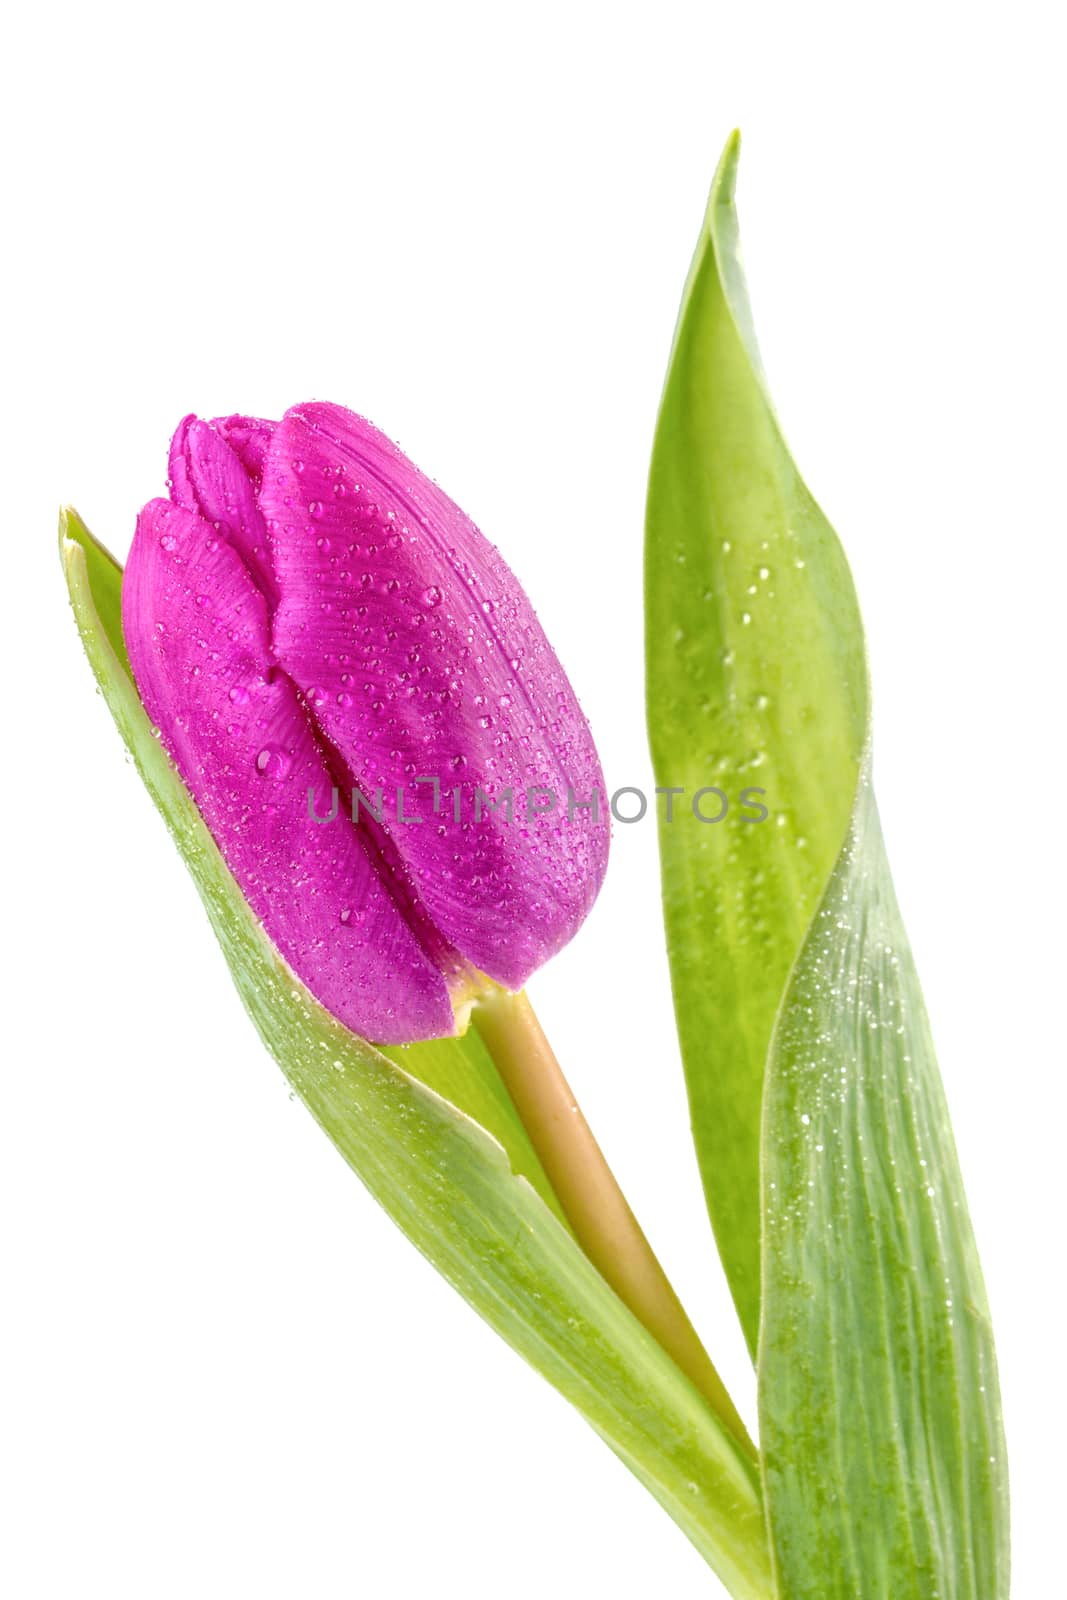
column 592, row 1201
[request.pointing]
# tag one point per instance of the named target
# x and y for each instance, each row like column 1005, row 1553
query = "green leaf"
column 468, row 1199
column 799, row 1009
column 756, row 680
column 884, row 1458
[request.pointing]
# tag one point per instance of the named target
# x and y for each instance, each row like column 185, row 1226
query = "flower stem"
column 589, row 1194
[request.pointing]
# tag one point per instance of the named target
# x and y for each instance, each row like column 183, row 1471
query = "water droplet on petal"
column 273, row 762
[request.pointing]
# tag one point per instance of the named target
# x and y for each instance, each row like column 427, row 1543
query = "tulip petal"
column 197, row 630
column 208, row 476
column 422, row 658
column 249, row 438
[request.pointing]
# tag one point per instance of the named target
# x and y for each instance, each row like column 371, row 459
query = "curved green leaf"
column 756, row 679
column 807, row 1051
column 467, row 1199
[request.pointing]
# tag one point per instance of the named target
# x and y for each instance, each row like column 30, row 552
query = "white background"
column 226, row 1373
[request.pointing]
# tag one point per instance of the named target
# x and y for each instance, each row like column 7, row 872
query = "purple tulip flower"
column 362, row 703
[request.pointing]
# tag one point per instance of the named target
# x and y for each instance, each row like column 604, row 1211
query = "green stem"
column 589, row 1194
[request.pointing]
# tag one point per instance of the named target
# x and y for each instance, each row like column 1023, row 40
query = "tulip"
column 305, row 616
column 313, row 626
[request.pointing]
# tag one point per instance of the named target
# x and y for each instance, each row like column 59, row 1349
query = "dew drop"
column 273, row 762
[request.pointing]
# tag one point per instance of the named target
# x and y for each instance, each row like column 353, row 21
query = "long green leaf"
column 756, row 680
column 840, row 1209
column 456, row 1190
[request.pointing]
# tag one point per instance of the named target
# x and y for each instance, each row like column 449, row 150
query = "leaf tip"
column 74, row 531
column 67, row 515
column 725, row 180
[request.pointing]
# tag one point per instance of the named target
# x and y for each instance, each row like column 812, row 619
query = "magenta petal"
column 248, row 438
column 197, row 631
column 208, row 476
column 422, row 658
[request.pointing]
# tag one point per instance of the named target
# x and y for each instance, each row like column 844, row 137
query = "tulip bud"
column 362, row 703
